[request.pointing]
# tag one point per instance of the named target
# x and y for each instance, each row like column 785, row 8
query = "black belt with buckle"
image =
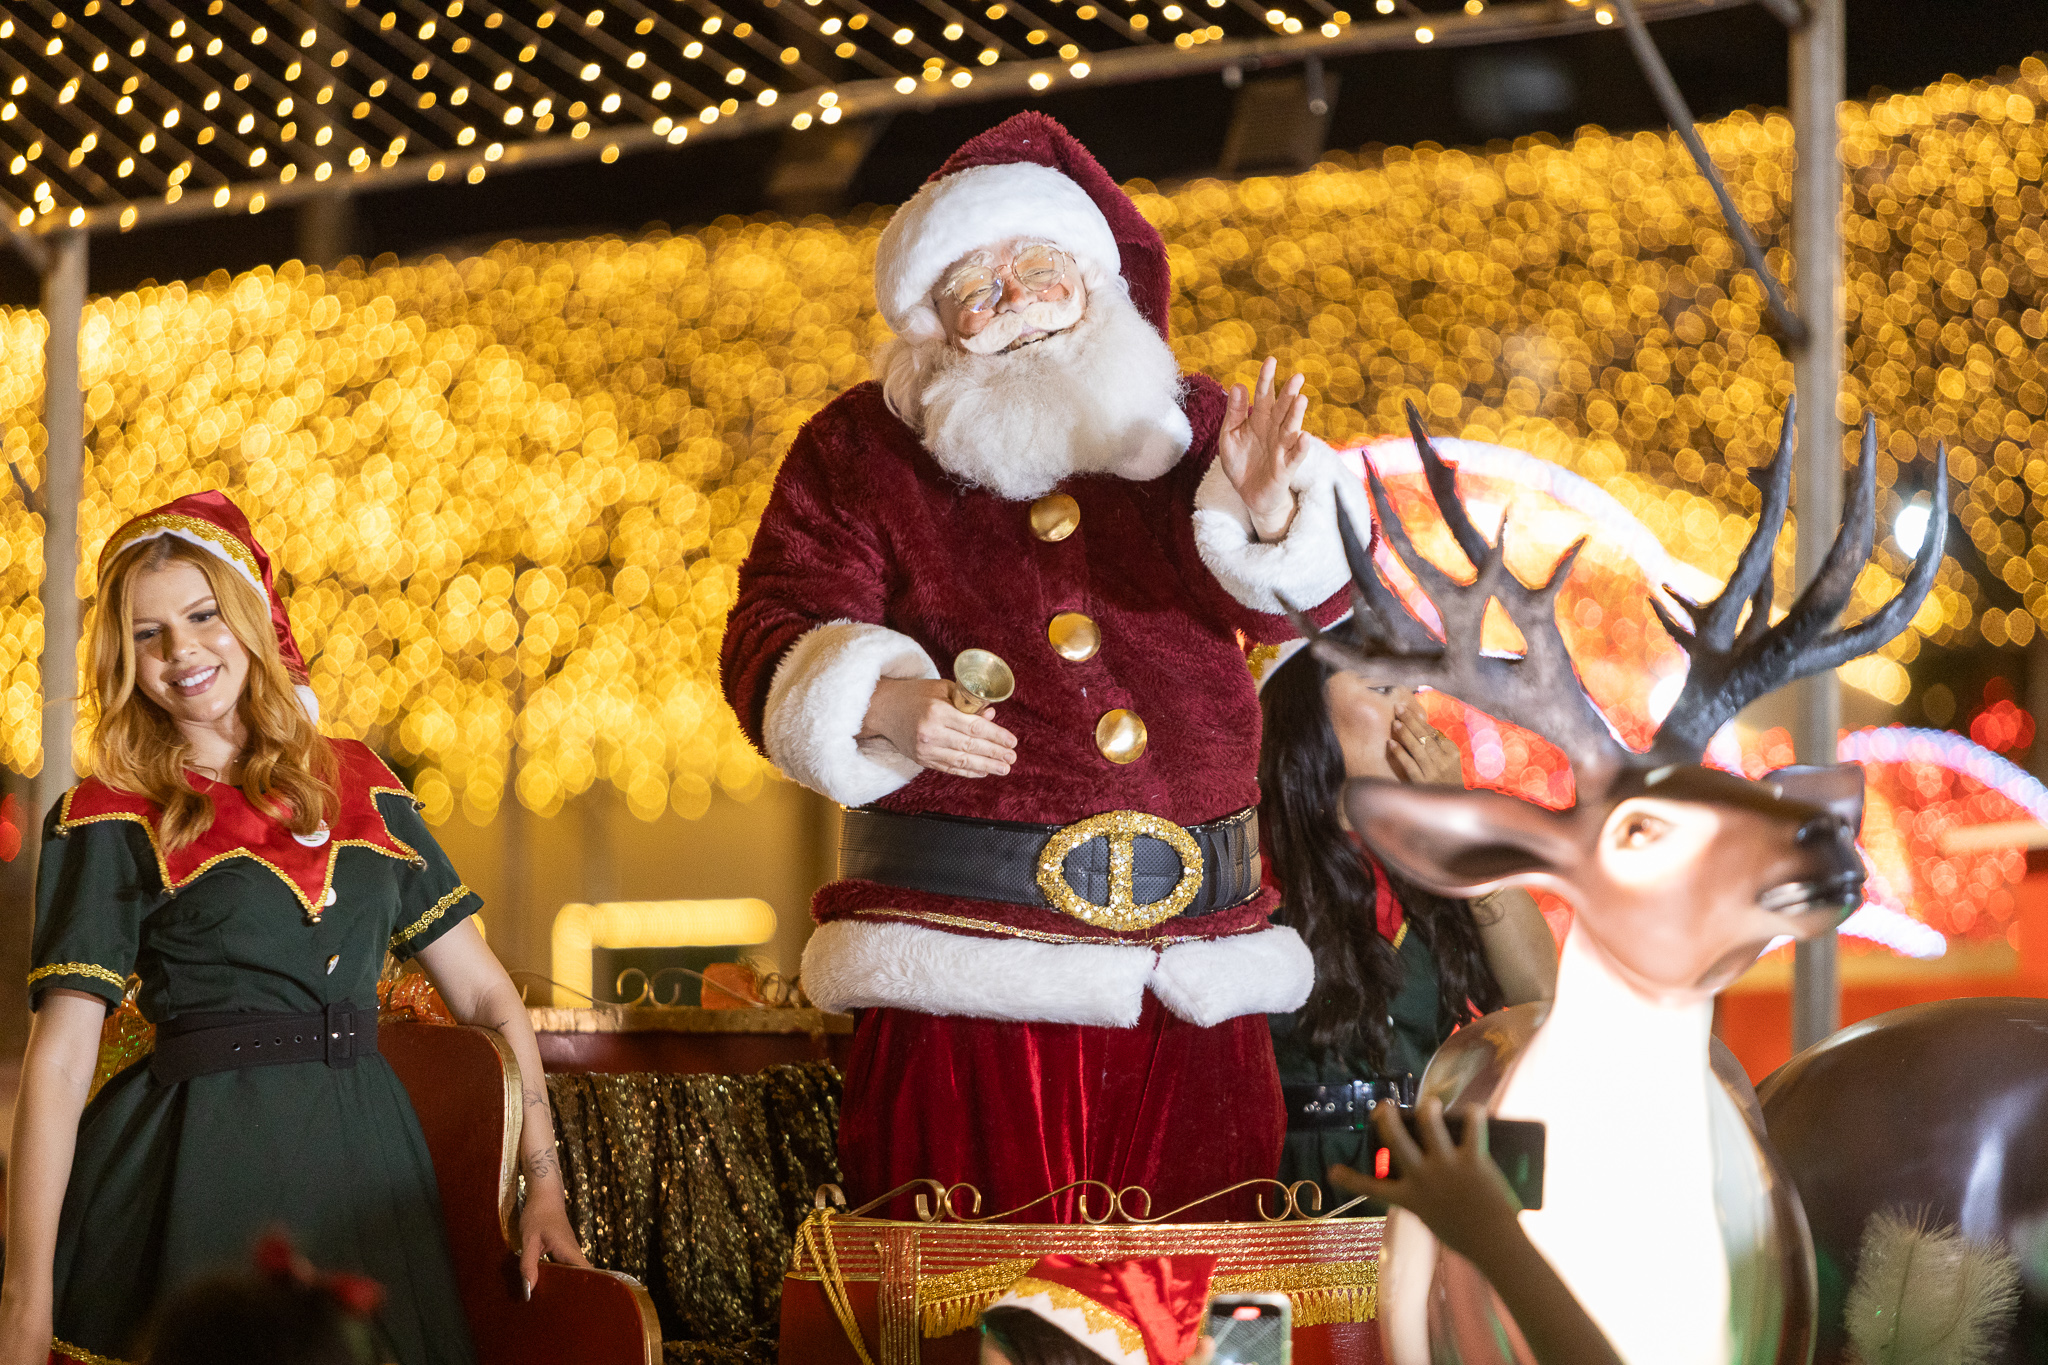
column 1344, row 1107
column 1120, row 870
column 200, row 1044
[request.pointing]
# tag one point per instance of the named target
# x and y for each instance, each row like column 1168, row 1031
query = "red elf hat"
column 211, row 521
column 1025, row 177
column 1138, row 1312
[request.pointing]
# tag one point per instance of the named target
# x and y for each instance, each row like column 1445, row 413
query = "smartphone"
column 1252, row 1329
column 1516, row 1146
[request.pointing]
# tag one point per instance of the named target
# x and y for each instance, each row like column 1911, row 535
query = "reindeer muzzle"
column 1839, row 894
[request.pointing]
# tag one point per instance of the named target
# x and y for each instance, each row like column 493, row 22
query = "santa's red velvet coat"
column 1010, row 1046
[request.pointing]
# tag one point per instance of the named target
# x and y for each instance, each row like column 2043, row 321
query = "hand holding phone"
column 1516, row 1146
column 1453, row 1186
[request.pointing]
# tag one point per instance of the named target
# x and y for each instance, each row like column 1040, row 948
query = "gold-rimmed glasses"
column 1036, row 267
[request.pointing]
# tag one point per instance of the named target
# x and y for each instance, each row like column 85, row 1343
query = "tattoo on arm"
column 536, row 1099
column 542, row 1164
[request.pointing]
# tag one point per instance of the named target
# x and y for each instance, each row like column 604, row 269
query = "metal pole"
column 63, row 487
column 1675, row 109
column 1818, row 81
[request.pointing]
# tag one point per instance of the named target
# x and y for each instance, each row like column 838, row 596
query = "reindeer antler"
column 1732, row 667
column 1737, row 653
column 1539, row 691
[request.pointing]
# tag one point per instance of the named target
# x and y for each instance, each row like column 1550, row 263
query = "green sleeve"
column 94, row 887
column 431, row 898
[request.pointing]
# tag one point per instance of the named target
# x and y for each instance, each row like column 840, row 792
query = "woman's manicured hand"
column 544, row 1228
column 1419, row 752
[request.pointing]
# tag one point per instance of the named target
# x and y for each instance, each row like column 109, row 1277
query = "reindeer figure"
column 1662, row 1210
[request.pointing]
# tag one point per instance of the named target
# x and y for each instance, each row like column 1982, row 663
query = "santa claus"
column 1048, row 915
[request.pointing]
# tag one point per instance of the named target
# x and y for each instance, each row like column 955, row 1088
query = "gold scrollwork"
column 934, row 1202
column 1119, row 828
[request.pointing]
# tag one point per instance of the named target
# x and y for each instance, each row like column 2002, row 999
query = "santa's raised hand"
column 1261, row 445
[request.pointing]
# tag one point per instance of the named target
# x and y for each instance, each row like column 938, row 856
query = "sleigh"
column 874, row 1291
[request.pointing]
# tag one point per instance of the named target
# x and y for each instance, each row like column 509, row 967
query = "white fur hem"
column 1306, row 566
column 1205, row 983
column 850, row 964
column 818, row 700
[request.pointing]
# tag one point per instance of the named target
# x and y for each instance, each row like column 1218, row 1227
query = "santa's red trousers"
column 1018, row 1109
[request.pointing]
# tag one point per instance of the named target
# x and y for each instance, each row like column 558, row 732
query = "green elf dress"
column 174, row 1182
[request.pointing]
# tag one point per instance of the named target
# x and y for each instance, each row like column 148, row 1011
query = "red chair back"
column 465, row 1086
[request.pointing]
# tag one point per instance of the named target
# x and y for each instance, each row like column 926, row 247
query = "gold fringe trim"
column 80, row 1354
column 953, row 1303
column 85, row 969
column 1335, row 1292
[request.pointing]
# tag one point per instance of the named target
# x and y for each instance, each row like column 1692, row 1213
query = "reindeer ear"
column 1458, row 842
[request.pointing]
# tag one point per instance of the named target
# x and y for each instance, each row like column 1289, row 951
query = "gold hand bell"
column 980, row 679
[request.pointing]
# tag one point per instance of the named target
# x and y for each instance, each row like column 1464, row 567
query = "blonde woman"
column 253, row 873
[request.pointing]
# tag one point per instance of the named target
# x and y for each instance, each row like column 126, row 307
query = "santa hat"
column 1139, row 1312
column 1025, row 177
column 212, row 522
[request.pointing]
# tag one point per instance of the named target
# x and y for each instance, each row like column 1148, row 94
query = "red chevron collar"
column 240, row 831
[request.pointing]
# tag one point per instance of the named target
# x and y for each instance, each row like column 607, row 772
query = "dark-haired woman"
column 1397, row 967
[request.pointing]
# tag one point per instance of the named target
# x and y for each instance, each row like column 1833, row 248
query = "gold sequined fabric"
column 695, row 1185
column 125, row 1039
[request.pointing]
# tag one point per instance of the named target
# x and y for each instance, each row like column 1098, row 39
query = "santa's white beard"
column 1101, row 397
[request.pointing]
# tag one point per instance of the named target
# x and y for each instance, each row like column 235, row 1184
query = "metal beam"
column 1009, row 80
column 63, row 487
column 31, row 248
column 1679, row 115
column 1819, row 83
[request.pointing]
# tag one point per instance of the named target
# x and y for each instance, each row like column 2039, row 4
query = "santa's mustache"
column 1005, row 329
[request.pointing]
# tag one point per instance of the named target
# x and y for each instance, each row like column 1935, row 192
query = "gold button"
column 1121, row 736
column 1074, row 637
column 1055, row 517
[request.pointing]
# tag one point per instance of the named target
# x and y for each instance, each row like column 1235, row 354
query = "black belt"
column 1073, row 868
column 199, row 1044
column 1345, row 1106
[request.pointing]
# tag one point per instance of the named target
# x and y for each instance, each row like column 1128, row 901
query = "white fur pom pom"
column 1928, row 1296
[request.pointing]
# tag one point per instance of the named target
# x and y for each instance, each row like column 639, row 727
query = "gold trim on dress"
column 419, row 926
column 86, row 969
column 80, row 1354
column 403, row 853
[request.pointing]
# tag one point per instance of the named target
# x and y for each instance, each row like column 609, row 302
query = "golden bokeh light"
column 509, row 494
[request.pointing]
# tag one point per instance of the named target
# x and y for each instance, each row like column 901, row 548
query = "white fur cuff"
column 818, row 700
column 1269, row 972
column 850, row 965
column 1307, row 566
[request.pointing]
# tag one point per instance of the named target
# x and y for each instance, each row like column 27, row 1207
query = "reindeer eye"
column 1640, row 831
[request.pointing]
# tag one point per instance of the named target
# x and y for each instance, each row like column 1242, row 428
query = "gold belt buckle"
column 1120, row 828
